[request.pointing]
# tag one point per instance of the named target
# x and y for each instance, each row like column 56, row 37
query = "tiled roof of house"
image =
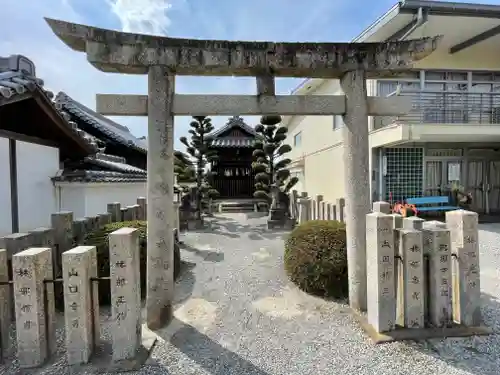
column 114, row 131
column 17, row 84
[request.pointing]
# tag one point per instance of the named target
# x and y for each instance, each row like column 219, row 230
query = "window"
column 297, row 139
column 338, row 122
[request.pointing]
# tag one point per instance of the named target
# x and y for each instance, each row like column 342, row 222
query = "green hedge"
column 316, row 258
column 99, row 239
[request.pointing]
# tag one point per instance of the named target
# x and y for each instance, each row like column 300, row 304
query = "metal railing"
column 447, row 107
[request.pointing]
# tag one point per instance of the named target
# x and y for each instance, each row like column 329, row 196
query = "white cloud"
column 142, row 16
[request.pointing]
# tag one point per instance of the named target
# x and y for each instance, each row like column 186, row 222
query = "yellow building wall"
column 320, row 152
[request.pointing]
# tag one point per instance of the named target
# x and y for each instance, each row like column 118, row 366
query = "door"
column 433, row 177
column 476, row 184
column 493, row 187
column 441, row 176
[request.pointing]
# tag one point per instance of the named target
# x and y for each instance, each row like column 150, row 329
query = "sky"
column 24, row 31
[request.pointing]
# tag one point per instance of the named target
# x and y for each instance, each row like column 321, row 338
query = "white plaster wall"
column 36, row 164
column 71, row 197
column 91, row 199
column 97, row 196
column 5, row 215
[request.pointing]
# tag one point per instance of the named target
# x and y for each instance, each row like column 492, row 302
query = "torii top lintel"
column 114, row 51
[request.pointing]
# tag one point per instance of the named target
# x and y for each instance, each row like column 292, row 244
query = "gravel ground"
column 238, row 314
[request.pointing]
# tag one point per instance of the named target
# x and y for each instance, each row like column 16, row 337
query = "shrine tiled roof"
column 234, row 122
column 233, row 142
column 110, row 129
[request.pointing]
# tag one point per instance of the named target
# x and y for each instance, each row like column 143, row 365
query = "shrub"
column 99, row 239
column 316, row 258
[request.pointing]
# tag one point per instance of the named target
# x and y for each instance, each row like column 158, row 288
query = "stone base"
column 287, row 224
column 103, row 362
column 402, row 334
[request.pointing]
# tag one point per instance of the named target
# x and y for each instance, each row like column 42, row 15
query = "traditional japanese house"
column 50, row 163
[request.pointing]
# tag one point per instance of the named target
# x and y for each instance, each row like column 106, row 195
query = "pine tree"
column 198, row 147
column 183, row 167
column 269, row 166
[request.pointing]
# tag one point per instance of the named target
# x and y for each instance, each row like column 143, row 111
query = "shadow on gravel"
column 232, row 228
column 208, row 255
column 184, row 285
column 477, row 355
column 205, row 352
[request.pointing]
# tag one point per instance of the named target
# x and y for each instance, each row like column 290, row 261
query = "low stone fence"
column 422, row 274
column 66, row 231
column 304, row 208
column 33, row 289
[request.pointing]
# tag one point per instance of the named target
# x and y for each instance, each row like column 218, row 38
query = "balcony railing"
column 447, row 107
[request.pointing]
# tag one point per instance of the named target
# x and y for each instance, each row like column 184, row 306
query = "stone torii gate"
column 162, row 58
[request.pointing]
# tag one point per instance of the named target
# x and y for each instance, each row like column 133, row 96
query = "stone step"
column 236, row 207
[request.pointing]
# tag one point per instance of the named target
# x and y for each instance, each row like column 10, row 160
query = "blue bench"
column 428, row 204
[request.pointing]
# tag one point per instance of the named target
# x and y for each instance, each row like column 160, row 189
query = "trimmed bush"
column 99, row 239
column 316, row 258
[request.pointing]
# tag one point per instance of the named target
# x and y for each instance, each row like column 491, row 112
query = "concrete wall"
column 90, row 199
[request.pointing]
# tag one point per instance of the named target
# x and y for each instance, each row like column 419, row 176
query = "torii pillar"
column 162, row 58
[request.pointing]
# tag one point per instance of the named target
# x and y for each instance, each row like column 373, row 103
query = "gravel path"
column 238, row 314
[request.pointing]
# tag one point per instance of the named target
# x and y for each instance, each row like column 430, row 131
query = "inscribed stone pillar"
column 15, row 242
column 319, row 212
column 104, row 219
column 357, row 183
column 304, row 209
column 44, row 237
column 6, row 301
column 30, row 267
column 323, row 210
column 92, row 223
column 340, row 205
column 142, row 210
column 79, row 229
column 437, row 246
column 124, row 214
column 434, row 223
column 132, row 212
column 313, row 210
column 115, row 210
column 397, row 223
column 62, row 223
column 160, row 283
column 328, row 209
column 381, row 300
column 413, row 222
column 463, row 226
column 381, row 206
column 81, row 303
column 411, row 253
column 125, row 292
column 334, row 212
